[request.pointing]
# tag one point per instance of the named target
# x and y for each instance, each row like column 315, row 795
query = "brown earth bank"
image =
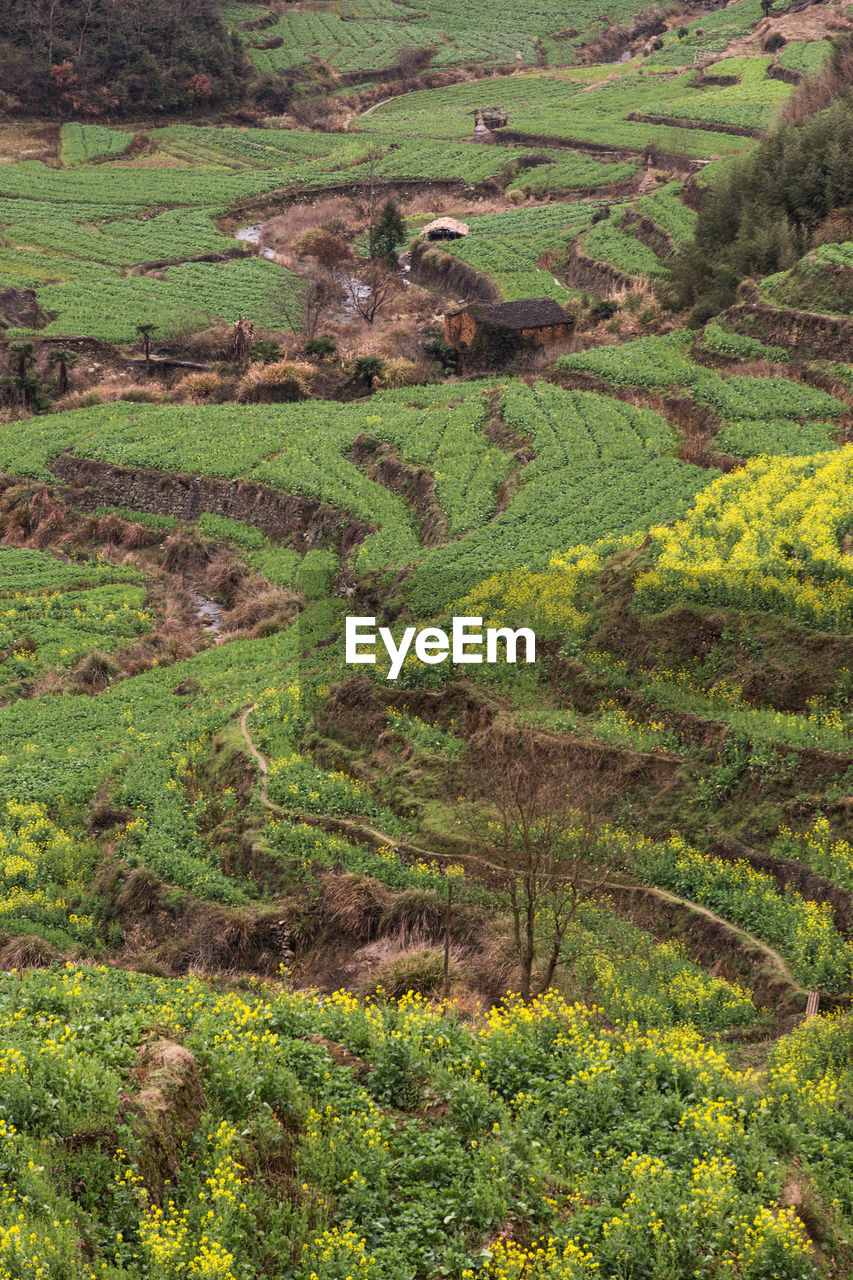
column 583, row 272
column 299, row 522
column 787, row 873
column 414, row 484
column 649, row 233
column 813, row 334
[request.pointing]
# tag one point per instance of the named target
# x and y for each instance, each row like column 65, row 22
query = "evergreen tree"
column 389, row 233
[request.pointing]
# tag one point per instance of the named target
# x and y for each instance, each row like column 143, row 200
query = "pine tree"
column 389, row 233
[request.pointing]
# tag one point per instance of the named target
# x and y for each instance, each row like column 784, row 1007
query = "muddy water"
column 209, row 613
column 252, row 236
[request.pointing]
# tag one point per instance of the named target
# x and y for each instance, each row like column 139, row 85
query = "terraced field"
column 314, row 968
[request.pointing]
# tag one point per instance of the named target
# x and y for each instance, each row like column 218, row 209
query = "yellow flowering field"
column 536, row 1140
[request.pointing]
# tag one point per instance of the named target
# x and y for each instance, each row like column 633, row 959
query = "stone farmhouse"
column 540, row 319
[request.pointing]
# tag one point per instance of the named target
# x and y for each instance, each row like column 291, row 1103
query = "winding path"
column 373, row 836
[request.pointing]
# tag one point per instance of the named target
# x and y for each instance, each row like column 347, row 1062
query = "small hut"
column 444, row 229
column 538, row 319
column 491, row 117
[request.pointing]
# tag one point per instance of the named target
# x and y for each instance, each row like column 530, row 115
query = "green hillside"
column 513, row 939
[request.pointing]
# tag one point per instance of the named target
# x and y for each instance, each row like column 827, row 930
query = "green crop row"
column 608, row 243
column 601, row 468
column 31, row 572
column 82, row 142
column 192, row 294
column 753, row 437
column 662, row 362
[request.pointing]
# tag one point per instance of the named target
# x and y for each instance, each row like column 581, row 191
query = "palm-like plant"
column 63, row 361
column 145, row 331
column 21, row 378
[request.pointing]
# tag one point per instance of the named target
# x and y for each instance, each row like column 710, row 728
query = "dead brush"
column 421, row 972
column 352, row 904
column 135, row 536
column 264, row 610
column 234, row 944
column 414, row 915
column 27, row 952
column 30, row 512
column 491, row 968
column 52, row 682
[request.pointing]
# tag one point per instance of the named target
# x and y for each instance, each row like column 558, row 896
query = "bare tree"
column 242, row 337
column 316, row 301
column 368, row 291
column 537, row 806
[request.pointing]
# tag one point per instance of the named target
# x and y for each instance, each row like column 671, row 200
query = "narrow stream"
column 352, row 287
column 252, row 236
column 209, row 613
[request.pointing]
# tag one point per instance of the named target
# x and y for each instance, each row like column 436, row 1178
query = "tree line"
column 769, row 208
column 99, row 58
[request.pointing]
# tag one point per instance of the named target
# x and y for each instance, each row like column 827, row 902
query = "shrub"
column 266, row 350
column 198, row 388
column 281, row 381
column 320, row 348
column 603, row 309
column 442, row 352
column 367, row 369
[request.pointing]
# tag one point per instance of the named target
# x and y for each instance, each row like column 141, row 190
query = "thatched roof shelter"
column 444, row 229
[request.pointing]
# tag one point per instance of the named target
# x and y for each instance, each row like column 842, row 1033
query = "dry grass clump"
column 149, row 392
column 399, row 372
column 199, row 388
column 225, row 576
column 29, row 513
column 282, row 380
column 414, row 914
column 27, row 952
column 94, row 671
column 264, row 611
column 185, row 552
column 141, row 892
column 419, row 971
column 352, row 904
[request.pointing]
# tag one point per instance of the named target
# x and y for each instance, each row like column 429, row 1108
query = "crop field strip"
column 694, row 631
column 90, row 224
column 553, row 106
column 371, row 34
